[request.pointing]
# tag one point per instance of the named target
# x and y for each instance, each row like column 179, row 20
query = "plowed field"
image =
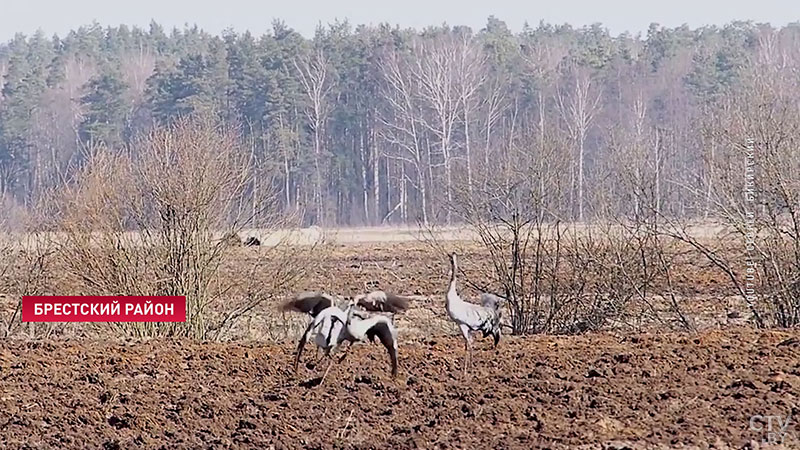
column 716, row 388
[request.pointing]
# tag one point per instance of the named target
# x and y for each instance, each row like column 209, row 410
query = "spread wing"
column 380, row 301
column 309, row 303
column 385, row 332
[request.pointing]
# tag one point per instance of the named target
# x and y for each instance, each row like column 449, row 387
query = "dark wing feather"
column 384, row 332
column 301, row 345
column 309, row 303
column 395, row 303
column 491, row 301
column 372, row 301
column 379, row 301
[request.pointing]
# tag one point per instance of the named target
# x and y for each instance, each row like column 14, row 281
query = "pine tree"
column 25, row 82
column 105, row 109
column 198, row 85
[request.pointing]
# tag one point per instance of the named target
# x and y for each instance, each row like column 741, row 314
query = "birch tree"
column 578, row 103
column 317, row 83
column 402, row 126
column 471, row 76
column 434, row 69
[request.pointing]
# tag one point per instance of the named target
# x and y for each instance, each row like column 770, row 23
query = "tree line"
column 371, row 125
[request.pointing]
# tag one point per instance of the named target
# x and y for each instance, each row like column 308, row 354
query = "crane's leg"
column 302, row 344
column 345, row 351
column 467, row 347
column 320, row 357
column 496, row 334
column 468, row 362
column 330, row 364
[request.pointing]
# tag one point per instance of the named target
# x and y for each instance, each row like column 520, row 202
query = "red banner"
column 103, row 309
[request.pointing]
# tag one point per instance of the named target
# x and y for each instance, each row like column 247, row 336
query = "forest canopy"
column 366, row 125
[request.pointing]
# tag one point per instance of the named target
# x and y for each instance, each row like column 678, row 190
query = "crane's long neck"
column 348, row 315
column 452, row 293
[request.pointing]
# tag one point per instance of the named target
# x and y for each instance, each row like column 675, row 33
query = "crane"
column 471, row 317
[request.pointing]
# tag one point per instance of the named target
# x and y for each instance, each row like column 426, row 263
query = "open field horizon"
column 365, row 234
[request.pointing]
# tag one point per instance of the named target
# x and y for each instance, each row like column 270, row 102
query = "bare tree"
column 3, row 71
column 492, row 108
column 434, row 68
column 754, row 196
column 137, row 67
column 578, row 106
column 402, row 128
column 470, row 78
column 314, row 72
column 542, row 59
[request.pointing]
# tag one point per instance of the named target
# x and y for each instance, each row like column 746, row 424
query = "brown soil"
column 594, row 391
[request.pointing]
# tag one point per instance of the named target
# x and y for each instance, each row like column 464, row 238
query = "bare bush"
column 630, row 201
column 556, row 278
column 754, row 193
column 158, row 220
column 25, row 269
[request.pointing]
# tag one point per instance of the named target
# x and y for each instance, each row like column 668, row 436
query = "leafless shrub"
column 556, row 278
column 157, row 220
column 630, row 199
column 232, row 239
column 754, row 194
column 25, row 269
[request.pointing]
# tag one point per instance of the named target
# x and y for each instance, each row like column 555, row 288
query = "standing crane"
column 471, row 317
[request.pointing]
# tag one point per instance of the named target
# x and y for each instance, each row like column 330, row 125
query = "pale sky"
column 60, row 16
